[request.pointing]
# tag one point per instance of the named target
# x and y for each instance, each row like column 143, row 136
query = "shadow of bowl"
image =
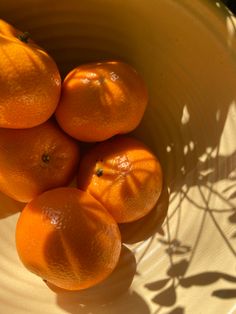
column 9, row 206
column 112, row 287
column 147, row 226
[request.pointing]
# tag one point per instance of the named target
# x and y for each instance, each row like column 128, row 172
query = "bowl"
column 181, row 257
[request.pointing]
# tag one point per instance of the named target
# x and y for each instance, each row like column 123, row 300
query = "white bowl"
column 186, row 52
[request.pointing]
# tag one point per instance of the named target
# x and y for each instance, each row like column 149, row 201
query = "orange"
column 67, row 237
column 123, row 175
column 30, row 80
column 100, row 100
column 36, row 159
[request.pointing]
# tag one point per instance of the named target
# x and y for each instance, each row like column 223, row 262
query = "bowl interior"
column 186, row 53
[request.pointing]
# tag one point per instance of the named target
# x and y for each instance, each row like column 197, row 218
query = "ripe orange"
column 30, row 81
column 68, row 238
column 123, row 175
column 100, row 100
column 36, row 159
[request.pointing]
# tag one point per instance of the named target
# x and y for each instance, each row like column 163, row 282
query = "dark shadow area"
column 177, row 310
column 115, row 285
column 147, row 226
column 233, row 235
column 231, row 4
column 225, row 293
column 232, row 218
column 167, row 297
column 168, row 286
column 130, row 302
column 178, row 269
column 8, row 206
column 106, row 296
column 205, row 278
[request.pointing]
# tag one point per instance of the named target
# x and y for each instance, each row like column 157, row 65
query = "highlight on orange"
column 100, row 100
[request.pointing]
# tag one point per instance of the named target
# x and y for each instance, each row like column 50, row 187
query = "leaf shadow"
column 205, row 278
column 178, row 269
column 233, row 235
column 157, row 285
column 225, row 293
column 166, row 297
column 177, row 310
column 232, row 218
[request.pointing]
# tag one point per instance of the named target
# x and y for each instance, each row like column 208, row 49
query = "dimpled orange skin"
column 124, row 175
column 30, row 81
column 36, row 159
column 100, row 100
column 66, row 237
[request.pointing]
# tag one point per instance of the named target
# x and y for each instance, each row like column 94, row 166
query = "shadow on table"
column 110, row 296
column 147, row 226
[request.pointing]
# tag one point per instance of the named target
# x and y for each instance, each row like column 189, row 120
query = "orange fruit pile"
column 70, row 236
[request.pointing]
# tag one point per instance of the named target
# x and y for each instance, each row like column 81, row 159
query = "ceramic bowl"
column 181, row 257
